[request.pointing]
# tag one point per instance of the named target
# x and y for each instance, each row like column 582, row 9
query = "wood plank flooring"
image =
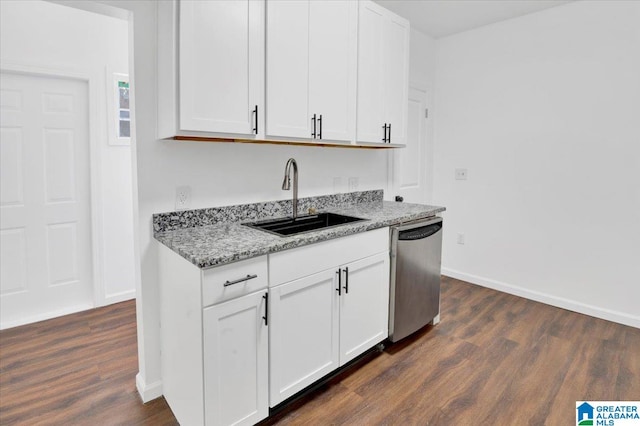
column 494, row 358
column 75, row 370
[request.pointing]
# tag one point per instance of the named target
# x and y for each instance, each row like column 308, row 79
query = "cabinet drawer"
column 300, row 262
column 239, row 278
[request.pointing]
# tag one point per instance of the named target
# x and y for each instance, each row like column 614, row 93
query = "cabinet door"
column 396, row 62
column 303, row 335
column 221, row 65
column 235, row 361
column 370, row 73
column 333, row 67
column 288, row 69
column 364, row 305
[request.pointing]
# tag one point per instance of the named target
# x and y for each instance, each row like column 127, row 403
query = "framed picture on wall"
column 118, row 110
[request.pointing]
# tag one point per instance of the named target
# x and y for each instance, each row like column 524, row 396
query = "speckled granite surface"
column 227, row 241
column 258, row 211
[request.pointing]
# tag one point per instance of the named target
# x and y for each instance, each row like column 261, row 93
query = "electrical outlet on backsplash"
column 353, row 184
column 337, row 184
column 183, row 197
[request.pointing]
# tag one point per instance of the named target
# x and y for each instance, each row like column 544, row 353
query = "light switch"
column 461, row 174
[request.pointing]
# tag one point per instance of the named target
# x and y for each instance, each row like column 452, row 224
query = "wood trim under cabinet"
column 281, row 142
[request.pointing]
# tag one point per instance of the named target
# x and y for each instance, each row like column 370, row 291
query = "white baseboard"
column 45, row 316
column 148, row 392
column 109, row 300
column 119, row 297
column 560, row 302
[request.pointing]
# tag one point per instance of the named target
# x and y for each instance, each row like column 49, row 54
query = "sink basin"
column 290, row 226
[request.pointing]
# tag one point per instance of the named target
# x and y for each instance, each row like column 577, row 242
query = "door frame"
column 146, row 390
column 392, row 160
column 95, row 217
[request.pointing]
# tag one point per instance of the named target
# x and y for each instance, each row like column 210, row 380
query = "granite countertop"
column 227, row 241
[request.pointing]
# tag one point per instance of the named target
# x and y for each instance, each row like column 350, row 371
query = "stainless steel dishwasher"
column 414, row 301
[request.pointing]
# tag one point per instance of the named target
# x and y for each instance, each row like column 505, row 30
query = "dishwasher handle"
column 419, row 233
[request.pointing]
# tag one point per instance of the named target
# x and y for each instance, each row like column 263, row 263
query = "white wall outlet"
column 460, row 238
column 183, row 197
column 337, row 184
column 461, row 174
column 353, row 184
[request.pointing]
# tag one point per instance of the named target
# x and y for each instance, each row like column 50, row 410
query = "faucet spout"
column 286, row 184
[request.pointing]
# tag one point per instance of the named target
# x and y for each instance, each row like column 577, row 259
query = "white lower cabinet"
column 324, row 320
column 243, row 337
column 214, row 340
column 235, row 361
column 303, row 334
column 364, row 305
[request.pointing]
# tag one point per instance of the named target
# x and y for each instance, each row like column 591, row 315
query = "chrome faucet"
column 286, row 184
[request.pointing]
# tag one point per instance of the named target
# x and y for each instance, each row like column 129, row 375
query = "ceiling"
column 440, row 18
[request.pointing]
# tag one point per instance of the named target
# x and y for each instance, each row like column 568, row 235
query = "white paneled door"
column 44, row 198
column 411, row 164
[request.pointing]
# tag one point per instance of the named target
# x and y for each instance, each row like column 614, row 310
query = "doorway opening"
column 68, row 199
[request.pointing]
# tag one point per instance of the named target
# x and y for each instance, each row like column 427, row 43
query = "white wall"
column 544, row 111
column 422, row 59
column 223, row 174
column 47, row 35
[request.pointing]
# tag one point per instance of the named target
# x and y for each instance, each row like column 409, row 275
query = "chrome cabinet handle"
column 240, row 280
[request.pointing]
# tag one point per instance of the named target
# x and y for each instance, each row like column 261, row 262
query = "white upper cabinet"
column 383, row 75
column 288, row 69
column 303, row 70
column 221, row 65
column 311, row 69
column 217, row 63
column 333, row 64
column 370, row 73
column 396, row 60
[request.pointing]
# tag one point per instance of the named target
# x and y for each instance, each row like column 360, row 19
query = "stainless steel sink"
column 301, row 224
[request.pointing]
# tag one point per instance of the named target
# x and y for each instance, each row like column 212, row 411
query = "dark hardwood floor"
column 76, row 369
column 494, row 359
